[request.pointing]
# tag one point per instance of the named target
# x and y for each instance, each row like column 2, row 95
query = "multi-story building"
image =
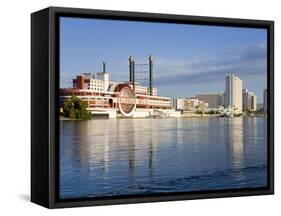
column 178, row 103
column 92, row 81
column 102, row 78
column 88, row 81
column 265, row 100
column 189, row 104
column 260, row 106
column 249, row 101
column 198, row 104
column 215, row 100
column 233, row 93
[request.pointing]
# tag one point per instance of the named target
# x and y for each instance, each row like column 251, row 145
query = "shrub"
column 75, row 108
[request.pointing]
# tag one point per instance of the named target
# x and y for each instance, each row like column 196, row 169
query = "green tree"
column 75, row 108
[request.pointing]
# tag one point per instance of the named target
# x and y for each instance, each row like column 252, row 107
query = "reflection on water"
column 141, row 156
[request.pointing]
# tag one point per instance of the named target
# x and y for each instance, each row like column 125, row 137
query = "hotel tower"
column 233, row 93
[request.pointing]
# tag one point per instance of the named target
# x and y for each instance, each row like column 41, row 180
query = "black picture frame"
column 44, row 104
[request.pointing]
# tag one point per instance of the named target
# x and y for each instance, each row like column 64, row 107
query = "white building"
column 189, row 104
column 96, row 84
column 214, row 100
column 103, row 76
column 249, row 101
column 178, row 103
column 233, row 93
column 194, row 103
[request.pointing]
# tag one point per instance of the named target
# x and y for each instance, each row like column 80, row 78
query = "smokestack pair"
column 133, row 72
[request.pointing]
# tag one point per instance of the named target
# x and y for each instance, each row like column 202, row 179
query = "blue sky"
column 188, row 59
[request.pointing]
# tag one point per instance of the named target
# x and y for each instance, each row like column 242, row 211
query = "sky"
column 188, row 59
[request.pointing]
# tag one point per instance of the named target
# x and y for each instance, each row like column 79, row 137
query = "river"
column 113, row 157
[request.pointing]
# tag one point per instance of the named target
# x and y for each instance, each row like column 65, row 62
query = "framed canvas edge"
column 53, row 86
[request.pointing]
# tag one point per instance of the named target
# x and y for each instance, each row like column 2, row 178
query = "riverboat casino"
column 112, row 99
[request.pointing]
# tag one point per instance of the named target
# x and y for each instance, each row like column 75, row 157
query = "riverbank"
column 189, row 115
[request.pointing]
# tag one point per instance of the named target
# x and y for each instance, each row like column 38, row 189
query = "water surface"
column 144, row 156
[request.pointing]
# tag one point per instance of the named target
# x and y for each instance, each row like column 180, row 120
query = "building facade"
column 90, row 82
column 249, row 101
column 189, row 104
column 260, row 106
column 178, row 103
column 215, row 100
column 195, row 104
column 265, row 100
column 233, row 93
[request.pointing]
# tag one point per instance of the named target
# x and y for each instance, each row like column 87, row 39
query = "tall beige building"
column 233, row 93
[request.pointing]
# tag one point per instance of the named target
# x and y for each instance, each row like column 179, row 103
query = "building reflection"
column 119, row 155
column 251, row 132
column 90, row 146
column 103, row 145
column 131, row 143
column 151, row 150
column 236, row 142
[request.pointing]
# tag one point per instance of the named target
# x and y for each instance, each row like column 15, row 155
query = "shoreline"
column 62, row 118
